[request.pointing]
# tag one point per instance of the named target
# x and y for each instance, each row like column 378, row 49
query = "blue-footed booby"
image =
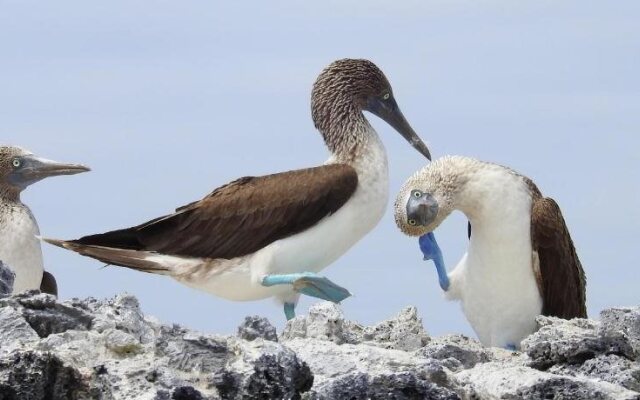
column 269, row 236
column 521, row 261
column 19, row 245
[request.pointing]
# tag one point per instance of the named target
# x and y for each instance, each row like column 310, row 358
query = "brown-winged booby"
column 521, row 261
column 19, row 245
column 259, row 237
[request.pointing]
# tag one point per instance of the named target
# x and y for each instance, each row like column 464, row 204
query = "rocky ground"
column 108, row 349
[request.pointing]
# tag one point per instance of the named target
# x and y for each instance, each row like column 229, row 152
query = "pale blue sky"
column 167, row 100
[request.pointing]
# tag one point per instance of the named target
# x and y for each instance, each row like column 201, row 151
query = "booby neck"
column 482, row 196
column 479, row 189
column 9, row 195
column 355, row 143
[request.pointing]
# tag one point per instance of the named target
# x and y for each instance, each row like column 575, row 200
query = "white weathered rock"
column 15, row 332
column 495, row 381
column 622, row 322
column 7, row 277
column 255, row 327
column 609, row 368
column 91, row 349
column 53, row 350
column 574, row 341
column 326, row 322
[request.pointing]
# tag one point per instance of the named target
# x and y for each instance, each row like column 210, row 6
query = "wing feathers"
column 241, row 217
column 561, row 277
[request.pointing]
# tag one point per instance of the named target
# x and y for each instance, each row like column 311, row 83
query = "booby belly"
column 260, row 237
column 520, row 262
column 19, row 246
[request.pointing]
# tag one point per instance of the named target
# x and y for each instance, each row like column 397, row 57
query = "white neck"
column 498, row 205
column 370, row 162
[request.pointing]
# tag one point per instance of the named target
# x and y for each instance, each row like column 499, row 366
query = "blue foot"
column 310, row 284
column 511, row 347
column 289, row 310
column 432, row 251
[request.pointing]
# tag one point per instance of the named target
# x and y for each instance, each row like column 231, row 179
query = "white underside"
column 20, row 249
column 312, row 250
column 495, row 280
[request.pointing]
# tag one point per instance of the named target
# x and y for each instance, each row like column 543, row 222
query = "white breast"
column 315, row 248
column 496, row 283
column 19, row 247
column 324, row 243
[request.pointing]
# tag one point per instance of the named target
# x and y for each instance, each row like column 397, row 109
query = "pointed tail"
column 140, row 260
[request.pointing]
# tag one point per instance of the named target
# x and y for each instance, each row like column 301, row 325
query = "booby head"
column 430, row 195
column 346, row 88
column 20, row 168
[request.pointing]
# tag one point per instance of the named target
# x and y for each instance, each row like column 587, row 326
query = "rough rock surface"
column 91, row 349
column 255, row 327
column 7, row 277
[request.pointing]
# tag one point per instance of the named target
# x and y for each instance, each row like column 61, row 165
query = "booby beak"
column 422, row 208
column 389, row 111
column 33, row 169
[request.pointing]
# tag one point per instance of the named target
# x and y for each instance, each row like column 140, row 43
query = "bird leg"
column 310, row 284
column 289, row 310
column 432, row 251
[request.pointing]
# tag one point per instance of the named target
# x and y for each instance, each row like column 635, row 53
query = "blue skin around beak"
column 431, row 251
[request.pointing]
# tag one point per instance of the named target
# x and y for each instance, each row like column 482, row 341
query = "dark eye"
column 412, row 222
column 386, row 96
column 16, row 163
column 417, row 194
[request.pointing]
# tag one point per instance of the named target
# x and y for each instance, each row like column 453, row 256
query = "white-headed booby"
column 259, row 237
column 19, row 246
column 520, row 262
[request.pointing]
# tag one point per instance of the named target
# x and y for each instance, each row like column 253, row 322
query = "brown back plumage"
column 561, row 279
column 241, row 217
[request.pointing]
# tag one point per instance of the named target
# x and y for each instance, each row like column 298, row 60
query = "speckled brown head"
column 346, row 88
column 19, row 168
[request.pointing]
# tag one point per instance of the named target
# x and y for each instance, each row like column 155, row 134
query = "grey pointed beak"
column 389, row 111
column 39, row 168
column 421, row 211
column 34, row 169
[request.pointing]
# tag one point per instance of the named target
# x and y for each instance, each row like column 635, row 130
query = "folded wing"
column 241, row 217
column 561, row 278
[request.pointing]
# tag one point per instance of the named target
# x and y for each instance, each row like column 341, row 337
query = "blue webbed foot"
column 310, row 284
column 320, row 287
column 431, row 251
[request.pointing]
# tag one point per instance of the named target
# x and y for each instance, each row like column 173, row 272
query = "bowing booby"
column 520, row 262
column 269, row 236
column 19, row 245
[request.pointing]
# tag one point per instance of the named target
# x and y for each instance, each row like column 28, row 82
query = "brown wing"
column 242, row 216
column 562, row 281
column 48, row 284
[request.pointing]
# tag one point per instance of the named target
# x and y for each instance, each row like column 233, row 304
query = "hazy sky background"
column 167, row 100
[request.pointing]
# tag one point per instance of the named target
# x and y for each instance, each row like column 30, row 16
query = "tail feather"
column 121, row 239
column 145, row 261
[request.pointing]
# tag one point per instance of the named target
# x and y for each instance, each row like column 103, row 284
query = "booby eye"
column 16, row 163
column 417, row 194
column 412, row 222
column 386, row 96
